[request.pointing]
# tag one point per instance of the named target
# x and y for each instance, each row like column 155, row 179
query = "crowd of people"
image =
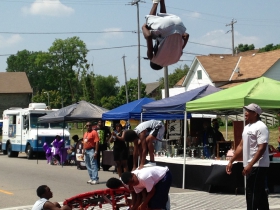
column 149, row 184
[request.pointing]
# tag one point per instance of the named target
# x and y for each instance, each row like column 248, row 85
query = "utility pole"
column 136, row 2
column 232, row 33
column 166, row 85
column 126, row 92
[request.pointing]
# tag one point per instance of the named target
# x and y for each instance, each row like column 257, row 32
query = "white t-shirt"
column 253, row 135
column 168, row 30
column 148, row 177
column 150, row 126
column 39, row 204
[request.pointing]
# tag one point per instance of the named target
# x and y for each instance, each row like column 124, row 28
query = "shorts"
column 120, row 155
column 158, row 132
column 160, row 198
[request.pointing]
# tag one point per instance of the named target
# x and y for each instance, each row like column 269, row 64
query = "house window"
column 199, row 74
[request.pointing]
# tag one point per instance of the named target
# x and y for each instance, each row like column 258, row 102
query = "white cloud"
column 48, row 8
column 10, row 41
column 107, row 37
column 113, row 35
column 194, row 15
column 222, row 39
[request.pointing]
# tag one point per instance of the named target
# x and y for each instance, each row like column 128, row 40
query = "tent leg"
column 185, row 139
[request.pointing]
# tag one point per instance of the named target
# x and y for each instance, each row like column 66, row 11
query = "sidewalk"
column 199, row 200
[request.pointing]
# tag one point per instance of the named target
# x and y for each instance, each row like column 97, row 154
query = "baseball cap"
column 254, row 107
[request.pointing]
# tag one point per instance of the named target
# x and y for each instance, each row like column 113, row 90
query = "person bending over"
column 143, row 136
column 45, row 193
column 154, row 184
column 114, row 183
column 168, row 31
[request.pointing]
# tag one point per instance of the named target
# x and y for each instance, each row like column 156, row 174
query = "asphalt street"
column 21, row 177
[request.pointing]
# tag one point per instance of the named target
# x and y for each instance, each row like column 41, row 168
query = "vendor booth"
column 262, row 91
column 174, row 108
column 79, row 112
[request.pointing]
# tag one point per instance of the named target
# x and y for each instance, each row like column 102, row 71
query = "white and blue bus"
column 23, row 133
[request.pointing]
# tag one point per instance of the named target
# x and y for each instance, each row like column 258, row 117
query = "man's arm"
column 258, row 155
column 237, row 153
column 185, row 37
column 96, row 140
column 136, row 200
column 145, row 202
column 51, row 206
column 142, row 138
column 148, row 36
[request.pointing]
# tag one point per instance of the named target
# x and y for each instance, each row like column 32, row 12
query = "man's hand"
column 95, row 155
column 146, row 31
column 247, row 170
column 228, row 168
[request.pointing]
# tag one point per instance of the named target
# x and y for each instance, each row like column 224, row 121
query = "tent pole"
column 141, row 119
column 63, row 142
column 244, row 126
column 226, row 127
column 185, row 138
column 37, row 144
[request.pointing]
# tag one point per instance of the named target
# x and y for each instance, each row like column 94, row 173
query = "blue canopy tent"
column 131, row 110
column 176, row 105
column 175, row 108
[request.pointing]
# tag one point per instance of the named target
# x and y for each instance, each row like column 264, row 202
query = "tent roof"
column 177, row 103
column 80, row 111
column 131, row 110
column 262, row 91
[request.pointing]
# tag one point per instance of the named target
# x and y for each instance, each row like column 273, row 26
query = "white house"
column 225, row 71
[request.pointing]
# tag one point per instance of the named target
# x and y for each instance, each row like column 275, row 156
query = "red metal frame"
column 98, row 198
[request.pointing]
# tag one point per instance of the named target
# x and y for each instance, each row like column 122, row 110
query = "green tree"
column 68, row 62
column 173, row 78
column 54, row 98
column 25, row 61
column 269, row 47
column 119, row 99
column 104, row 87
column 244, row 47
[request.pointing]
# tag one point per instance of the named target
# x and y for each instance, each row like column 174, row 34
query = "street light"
column 48, row 98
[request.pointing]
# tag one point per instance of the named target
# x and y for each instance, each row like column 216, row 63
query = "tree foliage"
column 244, row 47
column 174, row 77
column 62, row 75
column 269, row 47
column 120, row 98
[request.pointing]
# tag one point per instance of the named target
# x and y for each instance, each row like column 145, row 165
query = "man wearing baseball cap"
column 254, row 145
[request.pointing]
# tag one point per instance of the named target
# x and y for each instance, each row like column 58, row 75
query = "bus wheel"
column 4, row 152
column 10, row 152
column 29, row 152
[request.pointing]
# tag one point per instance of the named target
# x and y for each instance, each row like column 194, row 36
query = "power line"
column 128, row 46
column 73, row 32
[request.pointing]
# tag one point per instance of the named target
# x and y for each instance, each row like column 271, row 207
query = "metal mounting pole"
column 138, row 32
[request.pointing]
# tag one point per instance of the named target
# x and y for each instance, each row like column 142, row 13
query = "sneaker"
column 89, row 181
column 94, row 182
column 156, row 1
column 150, row 164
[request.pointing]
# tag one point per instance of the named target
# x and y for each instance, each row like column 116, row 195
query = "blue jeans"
column 91, row 164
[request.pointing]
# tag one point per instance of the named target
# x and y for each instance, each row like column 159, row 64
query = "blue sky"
column 258, row 23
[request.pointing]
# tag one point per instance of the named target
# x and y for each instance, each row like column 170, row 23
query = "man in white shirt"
column 254, row 145
column 154, row 184
column 44, row 193
column 168, row 31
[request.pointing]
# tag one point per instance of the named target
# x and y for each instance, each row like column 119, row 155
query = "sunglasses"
column 88, row 125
